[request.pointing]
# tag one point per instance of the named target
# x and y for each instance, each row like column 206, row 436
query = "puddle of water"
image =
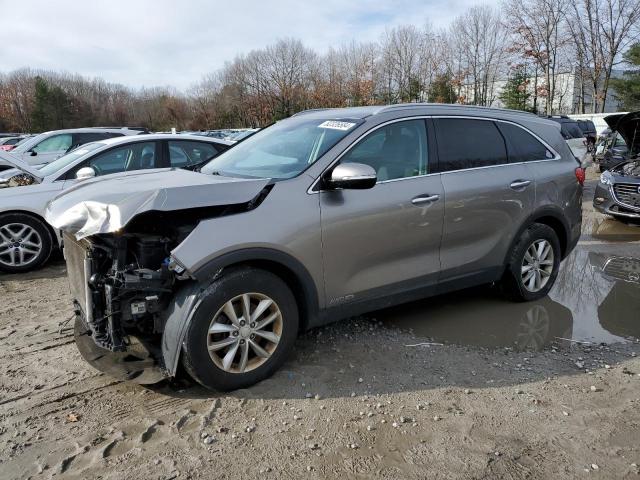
column 596, row 299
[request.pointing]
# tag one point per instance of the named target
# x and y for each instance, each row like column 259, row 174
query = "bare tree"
column 479, row 38
column 538, row 24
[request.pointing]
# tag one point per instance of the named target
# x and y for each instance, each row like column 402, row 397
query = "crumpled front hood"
column 104, row 205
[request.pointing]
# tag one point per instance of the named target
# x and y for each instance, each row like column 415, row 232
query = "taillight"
column 581, row 174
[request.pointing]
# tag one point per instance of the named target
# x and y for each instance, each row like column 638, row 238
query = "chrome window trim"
column 556, row 157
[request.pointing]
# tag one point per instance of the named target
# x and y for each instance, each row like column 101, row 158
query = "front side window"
column 55, row 143
column 183, row 153
column 469, row 143
column 136, row 156
column 521, row 145
column 397, row 150
column 282, row 150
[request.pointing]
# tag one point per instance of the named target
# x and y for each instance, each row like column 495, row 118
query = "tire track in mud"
column 33, row 396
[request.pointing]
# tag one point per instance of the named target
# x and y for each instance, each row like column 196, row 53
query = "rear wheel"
column 242, row 331
column 533, row 264
column 25, row 243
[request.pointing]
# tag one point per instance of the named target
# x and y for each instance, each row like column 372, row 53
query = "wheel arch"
column 551, row 217
column 187, row 299
column 289, row 269
column 36, row 216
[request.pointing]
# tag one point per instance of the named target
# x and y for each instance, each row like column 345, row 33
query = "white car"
column 48, row 146
column 26, row 240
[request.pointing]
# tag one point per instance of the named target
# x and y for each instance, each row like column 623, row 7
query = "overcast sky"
column 161, row 42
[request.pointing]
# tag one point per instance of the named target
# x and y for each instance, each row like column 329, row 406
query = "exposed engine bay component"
column 19, row 180
column 125, row 280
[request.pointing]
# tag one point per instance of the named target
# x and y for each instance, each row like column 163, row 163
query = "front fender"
column 177, row 317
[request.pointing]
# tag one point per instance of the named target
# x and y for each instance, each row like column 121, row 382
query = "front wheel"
column 242, row 331
column 533, row 264
column 25, row 243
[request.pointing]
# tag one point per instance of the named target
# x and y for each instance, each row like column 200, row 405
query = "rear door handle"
column 421, row 200
column 516, row 184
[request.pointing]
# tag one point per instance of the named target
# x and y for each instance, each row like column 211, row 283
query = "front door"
column 385, row 239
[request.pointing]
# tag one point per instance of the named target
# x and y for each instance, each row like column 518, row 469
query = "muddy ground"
column 463, row 386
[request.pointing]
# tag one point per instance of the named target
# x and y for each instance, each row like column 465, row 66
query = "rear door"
column 486, row 198
column 385, row 239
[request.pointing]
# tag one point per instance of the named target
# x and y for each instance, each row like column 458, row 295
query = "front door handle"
column 421, row 200
column 517, row 184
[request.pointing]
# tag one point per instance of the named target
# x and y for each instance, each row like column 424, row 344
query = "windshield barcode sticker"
column 335, row 125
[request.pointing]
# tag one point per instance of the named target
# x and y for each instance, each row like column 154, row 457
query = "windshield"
column 69, row 158
column 282, row 150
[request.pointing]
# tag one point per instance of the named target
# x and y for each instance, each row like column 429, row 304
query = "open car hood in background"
column 16, row 162
column 106, row 205
column 628, row 126
column 612, row 120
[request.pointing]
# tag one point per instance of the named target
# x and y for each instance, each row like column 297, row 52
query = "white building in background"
column 567, row 98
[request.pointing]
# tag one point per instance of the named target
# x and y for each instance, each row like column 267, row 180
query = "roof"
column 364, row 112
column 163, row 136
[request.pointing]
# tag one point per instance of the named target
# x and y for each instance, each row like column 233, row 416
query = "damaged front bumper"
column 139, row 363
column 113, row 330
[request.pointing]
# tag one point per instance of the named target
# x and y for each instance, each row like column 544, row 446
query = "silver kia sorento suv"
column 324, row 215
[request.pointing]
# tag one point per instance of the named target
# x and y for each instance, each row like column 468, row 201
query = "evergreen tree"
column 40, row 115
column 441, row 90
column 515, row 94
column 51, row 109
column 628, row 87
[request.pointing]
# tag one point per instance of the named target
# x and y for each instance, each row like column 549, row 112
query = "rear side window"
column 183, row 153
column 521, row 145
column 469, row 143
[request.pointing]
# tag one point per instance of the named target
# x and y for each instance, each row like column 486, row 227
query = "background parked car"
column 589, row 131
column 573, row 135
column 46, row 147
column 618, row 192
column 26, row 241
column 9, row 143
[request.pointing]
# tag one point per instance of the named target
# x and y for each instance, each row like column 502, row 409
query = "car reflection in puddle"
column 596, row 299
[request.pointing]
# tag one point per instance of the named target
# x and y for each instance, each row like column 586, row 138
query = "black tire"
column 195, row 354
column 512, row 284
column 46, row 242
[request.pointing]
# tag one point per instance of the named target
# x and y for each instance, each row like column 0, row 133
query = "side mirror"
column 356, row 176
column 85, row 173
column 33, row 153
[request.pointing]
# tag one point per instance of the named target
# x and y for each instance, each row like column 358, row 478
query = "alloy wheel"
column 20, row 244
column 537, row 265
column 244, row 333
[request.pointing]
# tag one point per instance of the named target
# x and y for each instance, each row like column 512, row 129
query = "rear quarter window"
column 522, row 146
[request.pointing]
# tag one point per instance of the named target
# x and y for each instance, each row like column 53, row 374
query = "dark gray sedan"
column 618, row 192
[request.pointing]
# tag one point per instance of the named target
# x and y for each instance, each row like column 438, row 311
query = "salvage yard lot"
column 441, row 388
